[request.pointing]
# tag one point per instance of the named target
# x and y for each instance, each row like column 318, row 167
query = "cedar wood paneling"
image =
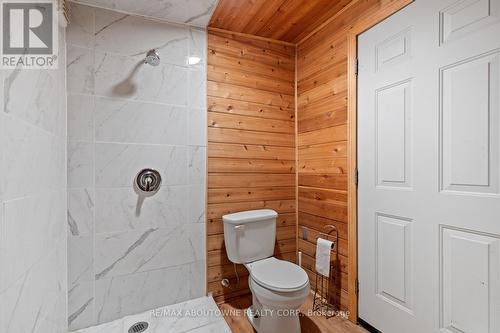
column 323, row 136
column 251, row 145
column 251, row 149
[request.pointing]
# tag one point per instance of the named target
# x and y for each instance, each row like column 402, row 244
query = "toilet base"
column 272, row 320
column 253, row 318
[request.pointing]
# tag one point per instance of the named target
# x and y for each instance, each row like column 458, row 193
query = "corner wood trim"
column 352, row 93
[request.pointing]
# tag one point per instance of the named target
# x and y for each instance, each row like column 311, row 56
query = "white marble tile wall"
column 33, row 244
column 193, row 12
column 127, row 253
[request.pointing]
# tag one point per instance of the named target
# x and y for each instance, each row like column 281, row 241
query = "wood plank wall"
column 323, row 138
column 251, row 145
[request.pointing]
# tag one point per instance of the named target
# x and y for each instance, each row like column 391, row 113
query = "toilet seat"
column 278, row 275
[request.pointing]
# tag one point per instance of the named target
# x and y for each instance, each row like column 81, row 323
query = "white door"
column 429, row 172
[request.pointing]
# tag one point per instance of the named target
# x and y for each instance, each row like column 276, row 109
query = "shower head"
column 152, row 58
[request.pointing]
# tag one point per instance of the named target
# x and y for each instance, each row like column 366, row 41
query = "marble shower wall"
column 192, row 12
column 33, row 275
column 127, row 255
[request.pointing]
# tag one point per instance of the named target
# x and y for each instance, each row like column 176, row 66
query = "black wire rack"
column 324, row 289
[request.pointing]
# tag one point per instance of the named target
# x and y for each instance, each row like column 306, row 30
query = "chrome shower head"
column 152, row 58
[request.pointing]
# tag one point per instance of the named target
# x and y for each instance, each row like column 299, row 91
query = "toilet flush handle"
column 239, row 228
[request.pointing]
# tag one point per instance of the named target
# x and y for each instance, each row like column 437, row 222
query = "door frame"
column 352, row 152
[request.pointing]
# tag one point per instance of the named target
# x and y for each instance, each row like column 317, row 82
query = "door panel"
column 394, row 50
column 393, row 135
column 463, row 17
column 469, row 124
column 429, row 169
column 393, row 268
column 467, row 289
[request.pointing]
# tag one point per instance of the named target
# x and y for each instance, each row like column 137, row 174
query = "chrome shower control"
column 148, row 180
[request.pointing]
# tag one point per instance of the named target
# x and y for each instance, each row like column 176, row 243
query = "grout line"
column 128, row 56
column 94, row 303
column 66, row 231
column 129, row 100
column 136, row 143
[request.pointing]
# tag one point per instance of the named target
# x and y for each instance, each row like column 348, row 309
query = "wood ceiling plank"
column 321, row 12
column 267, row 10
column 285, row 20
column 224, row 12
column 282, row 16
column 253, row 9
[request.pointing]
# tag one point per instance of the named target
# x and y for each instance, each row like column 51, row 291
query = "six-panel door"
column 429, row 172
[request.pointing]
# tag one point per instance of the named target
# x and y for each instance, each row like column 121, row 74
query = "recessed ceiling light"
column 193, row 60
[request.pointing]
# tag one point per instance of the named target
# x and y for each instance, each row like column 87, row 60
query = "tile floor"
column 200, row 315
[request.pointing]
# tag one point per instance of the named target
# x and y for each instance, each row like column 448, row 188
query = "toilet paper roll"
column 323, row 251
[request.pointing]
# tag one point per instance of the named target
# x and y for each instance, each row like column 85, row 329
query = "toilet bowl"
column 278, row 287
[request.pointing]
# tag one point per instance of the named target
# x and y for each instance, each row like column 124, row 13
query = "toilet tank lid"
column 249, row 216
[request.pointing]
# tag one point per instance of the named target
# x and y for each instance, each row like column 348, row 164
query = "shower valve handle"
column 148, row 180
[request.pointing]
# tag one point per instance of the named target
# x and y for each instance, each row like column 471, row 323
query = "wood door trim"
column 352, row 93
column 296, row 121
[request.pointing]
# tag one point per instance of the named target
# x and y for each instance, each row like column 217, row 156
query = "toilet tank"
column 250, row 235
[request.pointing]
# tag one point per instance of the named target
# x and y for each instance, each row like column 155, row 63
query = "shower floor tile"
column 200, row 315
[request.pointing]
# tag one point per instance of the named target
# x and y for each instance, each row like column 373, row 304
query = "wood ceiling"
column 286, row 20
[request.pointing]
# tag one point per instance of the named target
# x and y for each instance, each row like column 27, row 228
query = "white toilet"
column 278, row 287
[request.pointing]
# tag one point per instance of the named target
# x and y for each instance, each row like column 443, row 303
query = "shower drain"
column 138, row 327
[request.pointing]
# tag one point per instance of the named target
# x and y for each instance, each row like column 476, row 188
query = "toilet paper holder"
column 325, row 235
column 328, row 235
column 323, row 285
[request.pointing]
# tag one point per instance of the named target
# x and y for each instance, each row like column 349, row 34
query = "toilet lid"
column 278, row 275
